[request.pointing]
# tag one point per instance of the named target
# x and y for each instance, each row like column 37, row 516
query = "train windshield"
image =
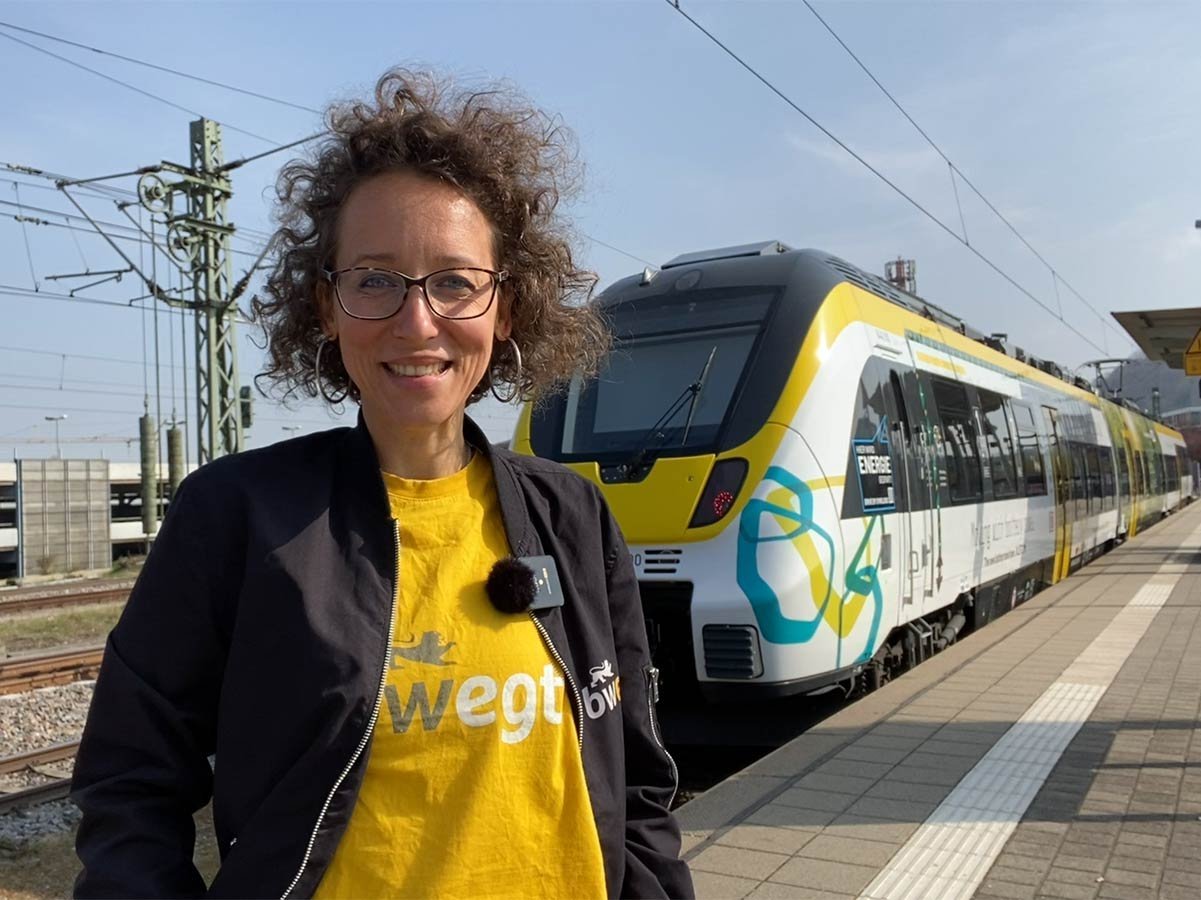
column 667, row 386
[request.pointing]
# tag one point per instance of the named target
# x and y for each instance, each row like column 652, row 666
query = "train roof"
column 782, row 260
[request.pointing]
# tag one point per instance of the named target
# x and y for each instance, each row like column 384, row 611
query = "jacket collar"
column 361, row 476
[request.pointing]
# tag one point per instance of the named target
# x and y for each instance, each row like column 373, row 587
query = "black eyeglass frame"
column 331, row 275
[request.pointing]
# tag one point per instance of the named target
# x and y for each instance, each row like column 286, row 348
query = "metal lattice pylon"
column 199, row 243
column 219, row 424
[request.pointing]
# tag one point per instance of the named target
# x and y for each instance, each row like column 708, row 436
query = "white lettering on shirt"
column 521, row 699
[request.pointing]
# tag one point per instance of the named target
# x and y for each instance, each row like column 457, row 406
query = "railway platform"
column 1055, row 753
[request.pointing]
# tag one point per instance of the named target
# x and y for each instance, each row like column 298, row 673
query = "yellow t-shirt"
column 475, row 783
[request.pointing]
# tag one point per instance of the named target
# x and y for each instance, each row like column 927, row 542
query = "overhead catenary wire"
column 18, row 292
column 36, row 221
column 135, row 88
column 9, row 434
column 156, row 67
column 79, row 247
column 237, row 163
column 90, row 410
column 88, row 439
column 54, row 389
column 253, row 236
column 55, row 353
column 131, row 233
column 674, row 4
column 956, row 171
column 25, row 233
column 19, row 169
column 136, row 394
column 63, row 383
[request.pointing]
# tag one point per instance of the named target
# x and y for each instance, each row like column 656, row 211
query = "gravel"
column 19, row 827
column 30, row 721
column 37, row 855
column 35, row 719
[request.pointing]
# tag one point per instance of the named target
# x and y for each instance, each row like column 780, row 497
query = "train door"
column 1060, row 473
column 1122, row 452
column 911, row 437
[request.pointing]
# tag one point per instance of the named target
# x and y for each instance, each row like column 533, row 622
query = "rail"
column 30, row 672
column 65, row 599
column 54, row 753
column 33, row 796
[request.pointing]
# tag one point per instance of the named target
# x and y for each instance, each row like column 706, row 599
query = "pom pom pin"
column 510, row 586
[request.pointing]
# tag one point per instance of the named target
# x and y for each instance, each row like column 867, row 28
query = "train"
column 824, row 479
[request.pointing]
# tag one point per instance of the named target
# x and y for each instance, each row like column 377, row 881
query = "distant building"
column 68, row 515
column 1188, row 422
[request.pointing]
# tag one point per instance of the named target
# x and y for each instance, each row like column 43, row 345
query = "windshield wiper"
column 696, row 394
column 653, row 437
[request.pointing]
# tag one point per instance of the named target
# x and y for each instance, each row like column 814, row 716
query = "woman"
column 419, row 661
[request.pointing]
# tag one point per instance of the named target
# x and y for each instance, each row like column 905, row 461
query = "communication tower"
column 902, row 273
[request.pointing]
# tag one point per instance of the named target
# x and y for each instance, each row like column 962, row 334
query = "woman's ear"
column 504, row 318
column 326, row 314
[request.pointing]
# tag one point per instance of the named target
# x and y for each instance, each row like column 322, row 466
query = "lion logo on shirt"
column 429, row 650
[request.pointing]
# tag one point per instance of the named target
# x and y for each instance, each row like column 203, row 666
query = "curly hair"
column 512, row 160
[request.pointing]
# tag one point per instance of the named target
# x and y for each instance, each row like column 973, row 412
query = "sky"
column 1076, row 121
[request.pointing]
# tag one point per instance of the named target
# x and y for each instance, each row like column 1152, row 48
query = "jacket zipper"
column 579, row 701
column 652, row 697
column 379, row 698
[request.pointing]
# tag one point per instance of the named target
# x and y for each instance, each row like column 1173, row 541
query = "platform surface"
column 1055, row 753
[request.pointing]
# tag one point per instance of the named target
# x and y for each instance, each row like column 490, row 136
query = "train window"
column 1095, row 494
column 1078, row 473
column 1000, row 444
column 661, row 347
column 871, row 461
column 911, row 424
column 1032, row 456
column 959, row 444
column 1123, row 472
column 1105, row 456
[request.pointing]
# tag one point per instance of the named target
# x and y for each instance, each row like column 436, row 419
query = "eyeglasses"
column 367, row 293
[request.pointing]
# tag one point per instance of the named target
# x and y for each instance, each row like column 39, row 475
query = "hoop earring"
column 335, row 400
column 513, row 394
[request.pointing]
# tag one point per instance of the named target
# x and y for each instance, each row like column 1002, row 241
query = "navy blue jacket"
column 258, row 633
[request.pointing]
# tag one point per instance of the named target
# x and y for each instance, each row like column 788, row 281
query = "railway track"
column 54, row 789
column 30, row 672
column 22, row 761
column 47, row 599
column 58, row 789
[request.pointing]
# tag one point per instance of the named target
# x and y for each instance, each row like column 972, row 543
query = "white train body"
column 850, row 476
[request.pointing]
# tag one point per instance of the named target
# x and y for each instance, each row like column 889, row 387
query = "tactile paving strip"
column 952, row 851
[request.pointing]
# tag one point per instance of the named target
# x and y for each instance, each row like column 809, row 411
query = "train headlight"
column 725, row 481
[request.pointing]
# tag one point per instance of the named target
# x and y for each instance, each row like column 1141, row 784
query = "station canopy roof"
column 1162, row 334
